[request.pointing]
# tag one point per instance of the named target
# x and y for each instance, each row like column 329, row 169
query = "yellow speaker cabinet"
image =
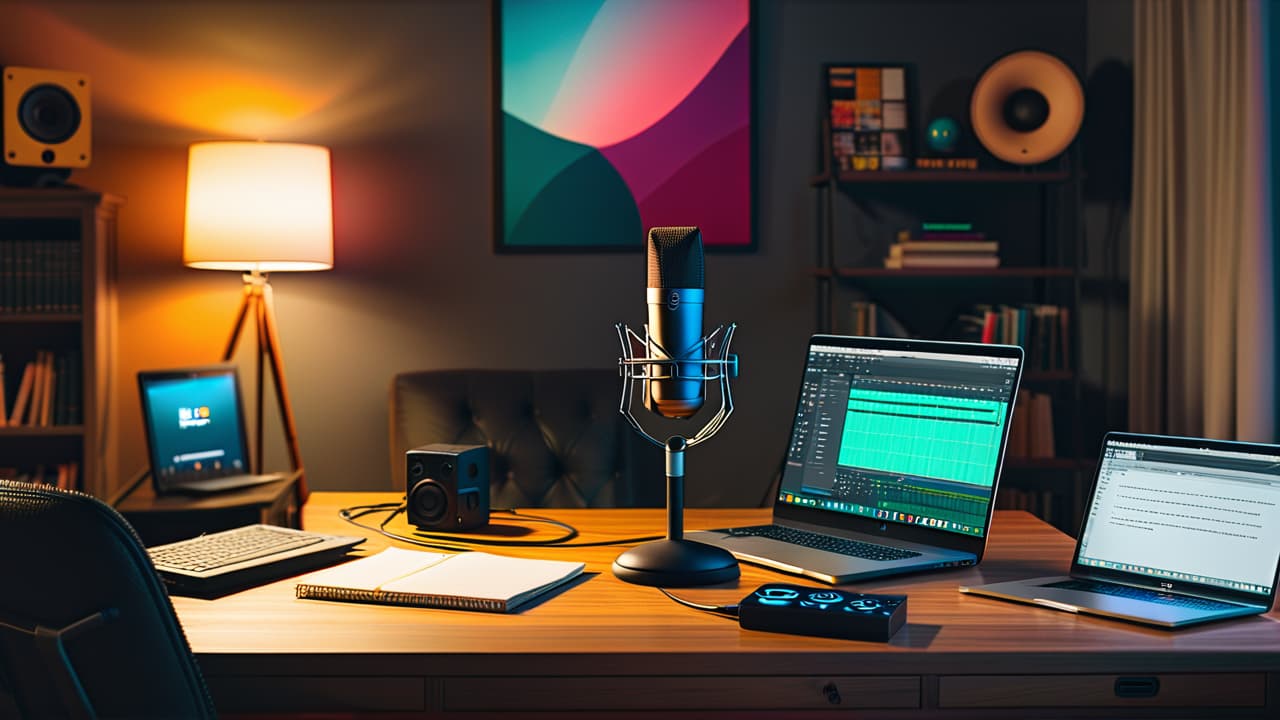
column 46, row 124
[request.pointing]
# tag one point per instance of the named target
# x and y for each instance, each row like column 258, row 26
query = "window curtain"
column 1202, row 331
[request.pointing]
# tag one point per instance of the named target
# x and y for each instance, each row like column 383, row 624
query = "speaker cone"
column 1027, row 107
column 49, row 114
column 430, row 501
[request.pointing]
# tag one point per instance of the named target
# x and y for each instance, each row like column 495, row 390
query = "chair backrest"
column 86, row 627
column 556, row 438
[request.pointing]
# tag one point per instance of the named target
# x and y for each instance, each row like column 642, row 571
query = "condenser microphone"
column 675, row 295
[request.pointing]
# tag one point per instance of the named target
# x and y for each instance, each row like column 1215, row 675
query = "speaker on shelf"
column 46, row 126
column 448, row 487
column 1027, row 107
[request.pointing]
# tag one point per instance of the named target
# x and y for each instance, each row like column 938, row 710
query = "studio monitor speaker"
column 1027, row 107
column 448, row 487
column 46, row 126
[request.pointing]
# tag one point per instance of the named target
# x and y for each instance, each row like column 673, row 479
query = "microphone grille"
column 675, row 258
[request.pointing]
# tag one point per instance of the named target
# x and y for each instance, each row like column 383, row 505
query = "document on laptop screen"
column 1210, row 517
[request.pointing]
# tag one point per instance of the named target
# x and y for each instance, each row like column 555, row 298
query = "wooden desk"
column 606, row 645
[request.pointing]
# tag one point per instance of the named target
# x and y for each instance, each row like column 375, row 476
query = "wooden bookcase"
column 1042, row 265
column 58, row 297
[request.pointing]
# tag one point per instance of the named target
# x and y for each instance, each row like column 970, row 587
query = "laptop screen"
column 193, row 423
column 901, row 435
column 1202, row 515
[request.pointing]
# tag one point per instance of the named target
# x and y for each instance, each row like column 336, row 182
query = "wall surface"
column 400, row 91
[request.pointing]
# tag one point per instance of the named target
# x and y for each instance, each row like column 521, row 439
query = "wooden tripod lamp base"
column 257, row 301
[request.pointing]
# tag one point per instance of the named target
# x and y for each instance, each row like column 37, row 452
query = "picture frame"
column 869, row 119
column 613, row 117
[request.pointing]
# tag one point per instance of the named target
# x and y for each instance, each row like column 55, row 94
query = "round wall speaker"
column 1027, row 107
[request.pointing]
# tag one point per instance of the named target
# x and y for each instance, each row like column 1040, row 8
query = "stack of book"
column 943, row 245
column 39, row 276
column 870, row 319
column 1031, row 429
column 64, row 475
column 1043, row 330
column 47, row 394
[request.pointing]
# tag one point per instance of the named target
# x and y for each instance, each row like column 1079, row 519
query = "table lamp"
column 259, row 207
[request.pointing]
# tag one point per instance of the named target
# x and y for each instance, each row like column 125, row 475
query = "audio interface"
column 825, row 612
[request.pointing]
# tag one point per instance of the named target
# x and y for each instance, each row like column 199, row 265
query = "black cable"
column 350, row 516
column 570, row 532
column 462, row 544
column 729, row 611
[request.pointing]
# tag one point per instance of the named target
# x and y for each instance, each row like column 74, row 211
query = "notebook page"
column 485, row 576
column 368, row 573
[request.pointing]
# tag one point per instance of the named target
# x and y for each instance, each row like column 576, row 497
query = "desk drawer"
column 1166, row 690
column 680, row 693
column 290, row 694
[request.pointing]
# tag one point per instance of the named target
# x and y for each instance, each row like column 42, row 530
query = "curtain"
column 1202, row 340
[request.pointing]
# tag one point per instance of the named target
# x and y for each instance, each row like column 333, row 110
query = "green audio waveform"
column 924, row 435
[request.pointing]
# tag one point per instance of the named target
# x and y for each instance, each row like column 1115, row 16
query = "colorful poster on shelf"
column 869, row 117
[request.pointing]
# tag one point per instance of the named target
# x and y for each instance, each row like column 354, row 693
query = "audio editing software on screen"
column 900, row 436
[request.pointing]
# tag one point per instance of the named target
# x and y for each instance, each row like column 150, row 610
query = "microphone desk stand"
column 676, row 561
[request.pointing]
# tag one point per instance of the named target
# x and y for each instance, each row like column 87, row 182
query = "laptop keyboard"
column 1124, row 591
column 216, row 550
column 817, row 541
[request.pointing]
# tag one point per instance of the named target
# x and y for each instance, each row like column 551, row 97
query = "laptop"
column 896, row 448
column 1179, row 531
column 194, row 423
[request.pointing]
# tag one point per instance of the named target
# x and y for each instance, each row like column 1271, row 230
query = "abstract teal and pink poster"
column 622, row 115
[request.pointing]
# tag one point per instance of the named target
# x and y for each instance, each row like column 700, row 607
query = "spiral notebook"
column 457, row 581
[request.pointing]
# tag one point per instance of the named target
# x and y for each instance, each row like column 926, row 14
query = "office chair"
column 556, row 438
column 86, row 628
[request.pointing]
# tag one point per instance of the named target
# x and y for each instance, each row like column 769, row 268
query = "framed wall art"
column 615, row 116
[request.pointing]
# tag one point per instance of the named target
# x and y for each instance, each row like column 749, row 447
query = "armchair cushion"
column 556, row 437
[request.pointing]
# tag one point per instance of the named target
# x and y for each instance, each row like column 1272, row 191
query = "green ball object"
column 942, row 134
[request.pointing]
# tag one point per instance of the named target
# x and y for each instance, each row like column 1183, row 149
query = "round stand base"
column 676, row 563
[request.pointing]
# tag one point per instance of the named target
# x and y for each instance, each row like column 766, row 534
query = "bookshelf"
column 58, row 328
column 1034, row 214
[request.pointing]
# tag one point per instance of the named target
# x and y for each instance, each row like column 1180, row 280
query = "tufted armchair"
column 556, row 437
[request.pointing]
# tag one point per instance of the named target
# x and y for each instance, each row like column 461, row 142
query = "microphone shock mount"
column 676, row 561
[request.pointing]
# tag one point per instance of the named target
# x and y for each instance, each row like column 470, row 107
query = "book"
column 952, row 236
column 928, row 226
column 456, row 581
column 46, row 399
column 940, row 260
column 4, row 412
column 1019, row 443
column 24, row 394
column 1040, row 442
column 947, row 163
column 908, row 247
column 908, row 235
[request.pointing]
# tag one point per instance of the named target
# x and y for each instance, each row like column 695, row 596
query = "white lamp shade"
column 258, row 206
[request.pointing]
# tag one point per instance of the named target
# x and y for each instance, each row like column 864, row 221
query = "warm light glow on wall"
column 177, row 71
column 258, row 206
